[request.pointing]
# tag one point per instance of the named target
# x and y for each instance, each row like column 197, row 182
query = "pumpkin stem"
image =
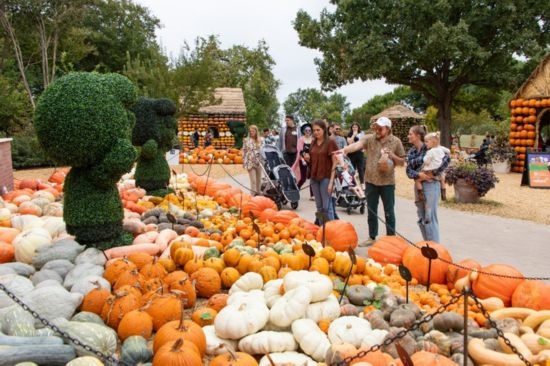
column 181, row 326
column 270, row 359
column 177, row 345
column 231, row 352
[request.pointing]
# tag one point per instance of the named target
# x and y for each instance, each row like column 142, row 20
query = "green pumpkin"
column 135, row 351
column 211, row 252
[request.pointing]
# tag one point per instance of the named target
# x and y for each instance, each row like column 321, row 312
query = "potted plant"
column 502, row 155
column 470, row 180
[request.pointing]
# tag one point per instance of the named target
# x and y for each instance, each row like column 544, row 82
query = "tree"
column 309, row 104
column 433, row 47
column 401, row 94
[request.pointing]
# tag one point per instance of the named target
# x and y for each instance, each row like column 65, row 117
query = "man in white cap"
column 384, row 151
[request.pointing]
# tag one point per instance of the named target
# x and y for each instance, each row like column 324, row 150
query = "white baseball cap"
column 383, row 122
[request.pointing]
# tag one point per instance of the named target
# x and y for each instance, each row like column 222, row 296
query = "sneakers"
column 367, row 243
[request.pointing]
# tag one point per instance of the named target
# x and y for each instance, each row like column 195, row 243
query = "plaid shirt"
column 415, row 159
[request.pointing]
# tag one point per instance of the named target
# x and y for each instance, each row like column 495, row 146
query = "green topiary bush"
column 238, row 130
column 82, row 120
column 154, row 132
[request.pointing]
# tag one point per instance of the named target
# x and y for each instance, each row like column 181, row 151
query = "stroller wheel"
column 348, row 210
column 294, row 205
column 362, row 209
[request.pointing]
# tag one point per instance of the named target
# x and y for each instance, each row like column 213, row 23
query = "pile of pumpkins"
column 210, row 154
column 215, row 285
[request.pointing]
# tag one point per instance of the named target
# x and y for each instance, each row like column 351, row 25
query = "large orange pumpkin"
column 340, row 235
column 454, row 272
column 418, row 264
column 532, row 294
column 426, row 358
column 501, row 282
column 388, row 249
column 257, row 204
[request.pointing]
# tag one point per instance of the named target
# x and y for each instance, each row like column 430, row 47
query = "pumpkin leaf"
column 542, row 341
column 340, row 286
column 206, row 316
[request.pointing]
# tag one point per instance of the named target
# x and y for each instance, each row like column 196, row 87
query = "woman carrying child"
column 430, row 181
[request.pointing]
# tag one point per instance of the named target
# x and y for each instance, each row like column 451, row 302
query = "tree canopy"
column 309, row 104
column 434, row 47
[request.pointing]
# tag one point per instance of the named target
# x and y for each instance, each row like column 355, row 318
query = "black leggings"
column 358, row 160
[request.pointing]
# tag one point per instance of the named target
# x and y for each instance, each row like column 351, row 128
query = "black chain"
column 64, row 334
column 499, row 331
column 402, row 333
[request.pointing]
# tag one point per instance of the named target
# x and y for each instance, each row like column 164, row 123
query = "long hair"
column 350, row 133
column 420, row 131
column 323, row 126
column 257, row 139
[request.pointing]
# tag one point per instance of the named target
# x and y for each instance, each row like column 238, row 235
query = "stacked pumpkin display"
column 523, row 133
column 202, row 122
column 207, row 155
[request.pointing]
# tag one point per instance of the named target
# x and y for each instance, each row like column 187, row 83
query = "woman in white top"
column 252, row 159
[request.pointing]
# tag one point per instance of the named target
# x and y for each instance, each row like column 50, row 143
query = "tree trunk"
column 18, row 54
column 444, row 119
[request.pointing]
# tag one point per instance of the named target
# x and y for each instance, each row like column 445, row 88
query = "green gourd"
column 135, row 351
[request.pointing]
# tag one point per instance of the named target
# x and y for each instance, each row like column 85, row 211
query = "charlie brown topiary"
column 154, row 132
column 238, row 130
column 82, row 120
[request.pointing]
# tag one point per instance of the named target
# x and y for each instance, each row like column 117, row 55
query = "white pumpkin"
column 30, row 205
column 374, row 337
column 99, row 337
column 85, row 361
column 27, row 242
column 272, row 291
column 88, row 283
column 54, row 225
column 17, row 284
column 291, row 306
column 44, row 195
column 287, row 358
column 247, row 282
column 53, row 302
column 326, row 309
column 5, row 214
column 267, row 342
column 82, row 270
column 216, row 345
column 91, row 255
column 239, row 297
column 41, row 202
column 53, row 209
column 319, row 285
column 25, row 222
column 313, row 341
column 241, row 319
column 348, row 329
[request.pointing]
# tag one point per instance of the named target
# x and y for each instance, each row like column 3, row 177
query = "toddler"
column 347, row 181
column 432, row 161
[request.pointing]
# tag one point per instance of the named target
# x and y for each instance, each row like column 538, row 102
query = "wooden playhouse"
column 214, row 118
column 530, row 114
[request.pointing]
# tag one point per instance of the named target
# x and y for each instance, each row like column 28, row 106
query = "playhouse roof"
column 397, row 111
column 232, row 101
column 537, row 84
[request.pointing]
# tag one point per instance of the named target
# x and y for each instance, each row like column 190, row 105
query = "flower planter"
column 502, row 166
column 465, row 192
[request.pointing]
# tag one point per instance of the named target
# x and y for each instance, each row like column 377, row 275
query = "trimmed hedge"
column 81, row 120
column 154, row 132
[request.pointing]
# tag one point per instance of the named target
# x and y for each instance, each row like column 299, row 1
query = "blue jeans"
column 322, row 197
column 427, row 210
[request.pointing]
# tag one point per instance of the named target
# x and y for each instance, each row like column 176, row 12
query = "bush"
column 27, row 153
column 480, row 177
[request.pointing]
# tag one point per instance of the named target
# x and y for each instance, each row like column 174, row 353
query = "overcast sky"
column 245, row 22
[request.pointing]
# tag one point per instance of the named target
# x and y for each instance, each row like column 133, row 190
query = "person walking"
column 323, row 165
column 301, row 165
column 431, row 186
column 384, row 151
column 195, row 138
column 288, row 140
column 252, row 159
column 357, row 158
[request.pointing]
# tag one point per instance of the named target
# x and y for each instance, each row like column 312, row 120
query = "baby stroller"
column 279, row 182
column 345, row 197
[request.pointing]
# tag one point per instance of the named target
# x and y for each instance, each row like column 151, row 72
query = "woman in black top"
column 357, row 158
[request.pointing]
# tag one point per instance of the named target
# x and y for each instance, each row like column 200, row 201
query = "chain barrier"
column 500, row 333
column 402, row 333
column 56, row 329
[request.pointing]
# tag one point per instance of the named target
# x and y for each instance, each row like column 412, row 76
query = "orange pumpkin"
column 388, row 249
column 7, row 252
column 218, row 301
column 339, row 234
column 418, row 264
column 489, row 282
column 208, row 282
column 178, row 352
column 233, row 359
column 136, row 322
column 204, row 316
column 532, row 294
column 455, row 272
column 257, row 204
column 426, row 358
column 94, row 300
column 186, row 329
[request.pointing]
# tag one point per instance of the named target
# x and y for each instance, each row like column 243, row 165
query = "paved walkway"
column 486, row 239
